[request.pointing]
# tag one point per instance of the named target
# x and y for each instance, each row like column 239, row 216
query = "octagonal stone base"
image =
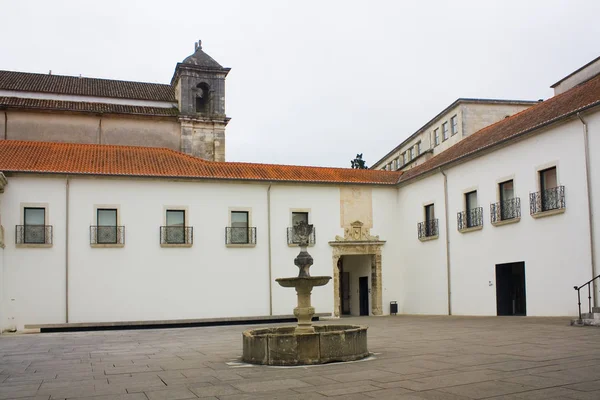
column 283, row 346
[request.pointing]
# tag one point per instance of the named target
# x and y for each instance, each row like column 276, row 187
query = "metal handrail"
column 589, row 295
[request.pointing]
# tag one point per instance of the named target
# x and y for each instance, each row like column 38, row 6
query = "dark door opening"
column 510, row 289
column 363, row 287
column 345, row 284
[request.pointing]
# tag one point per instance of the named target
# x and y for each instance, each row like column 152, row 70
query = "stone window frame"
column 424, row 208
column 445, row 131
column 464, row 207
column 95, row 223
column 240, row 209
column 454, row 124
column 46, row 208
column 186, row 223
column 498, row 199
column 300, row 210
column 538, row 185
column 436, row 137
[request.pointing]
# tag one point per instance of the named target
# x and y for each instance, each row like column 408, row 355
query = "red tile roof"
column 76, row 106
column 581, row 97
column 94, row 159
column 29, row 82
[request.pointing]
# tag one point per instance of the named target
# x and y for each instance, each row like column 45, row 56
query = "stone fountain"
column 304, row 344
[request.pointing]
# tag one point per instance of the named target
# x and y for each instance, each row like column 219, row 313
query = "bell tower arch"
column 199, row 83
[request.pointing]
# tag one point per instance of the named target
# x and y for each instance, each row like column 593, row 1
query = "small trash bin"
column 393, row 307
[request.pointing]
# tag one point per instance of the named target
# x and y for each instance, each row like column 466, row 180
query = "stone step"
column 585, row 322
column 596, row 309
column 592, row 315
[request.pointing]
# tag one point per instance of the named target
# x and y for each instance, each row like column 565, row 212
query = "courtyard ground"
column 415, row 357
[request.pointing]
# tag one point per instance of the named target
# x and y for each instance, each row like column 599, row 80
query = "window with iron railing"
column 107, row 231
column 505, row 210
column 429, row 227
column 547, row 200
column 34, row 229
column 472, row 218
column 33, row 234
column 240, row 232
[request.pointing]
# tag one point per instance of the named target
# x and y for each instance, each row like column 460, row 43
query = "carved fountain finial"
column 302, row 231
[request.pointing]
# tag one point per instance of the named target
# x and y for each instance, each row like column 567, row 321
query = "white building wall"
column 142, row 280
column 555, row 249
column 423, row 275
column 34, row 278
column 593, row 122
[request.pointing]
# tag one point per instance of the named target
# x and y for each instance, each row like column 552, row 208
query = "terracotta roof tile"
column 76, row 106
column 94, row 159
column 556, row 108
column 29, row 82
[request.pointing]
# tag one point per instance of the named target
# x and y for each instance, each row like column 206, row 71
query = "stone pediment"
column 357, row 232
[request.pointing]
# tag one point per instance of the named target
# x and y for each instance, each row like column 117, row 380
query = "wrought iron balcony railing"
column 428, row 228
column 292, row 238
column 505, row 210
column 240, row 235
column 33, row 234
column 470, row 219
column 107, row 234
column 176, row 235
column 547, row 200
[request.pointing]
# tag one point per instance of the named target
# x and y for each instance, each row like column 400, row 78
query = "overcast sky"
column 315, row 82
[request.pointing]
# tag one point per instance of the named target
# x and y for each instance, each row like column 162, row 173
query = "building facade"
column 460, row 119
column 187, row 115
column 503, row 223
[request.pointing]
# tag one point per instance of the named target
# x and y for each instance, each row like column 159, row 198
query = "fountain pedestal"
column 304, row 312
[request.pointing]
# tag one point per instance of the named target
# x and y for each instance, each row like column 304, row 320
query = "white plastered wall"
column 593, row 122
column 34, row 278
column 555, row 249
column 422, row 282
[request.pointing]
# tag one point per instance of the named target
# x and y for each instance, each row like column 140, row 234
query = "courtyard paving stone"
column 415, row 357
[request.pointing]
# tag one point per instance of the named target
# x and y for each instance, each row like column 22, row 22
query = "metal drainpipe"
column 447, row 242
column 269, row 240
column 590, row 204
column 100, row 129
column 5, row 125
column 67, row 250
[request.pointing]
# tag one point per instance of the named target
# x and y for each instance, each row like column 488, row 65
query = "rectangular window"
column 409, row 154
column 239, row 227
column 396, row 164
column 507, row 202
column 175, row 229
column 298, row 217
column 429, row 213
column 34, row 225
column 430, row 222
column 507, row 191
column 471, row 209
column 418, row 148
column 436, row 134
column 548, row 179
column 454, row 123
column 551, row 197
column 106, row 229
column 445, row 131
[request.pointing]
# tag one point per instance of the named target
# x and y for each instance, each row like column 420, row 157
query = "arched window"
column 202, row 97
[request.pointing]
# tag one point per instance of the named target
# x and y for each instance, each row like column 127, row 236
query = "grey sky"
column 315, row 82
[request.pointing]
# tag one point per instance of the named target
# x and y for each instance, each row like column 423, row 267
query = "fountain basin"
column 305, row 281
column 284, row 346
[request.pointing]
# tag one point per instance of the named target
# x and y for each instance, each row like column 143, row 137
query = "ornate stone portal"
column 357, row 240
column 305, row 343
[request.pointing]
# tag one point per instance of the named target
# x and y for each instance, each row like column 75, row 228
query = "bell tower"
column 199, row 83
